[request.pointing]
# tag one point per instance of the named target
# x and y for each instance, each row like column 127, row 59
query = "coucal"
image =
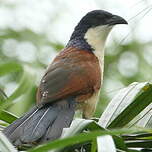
column 72, row 81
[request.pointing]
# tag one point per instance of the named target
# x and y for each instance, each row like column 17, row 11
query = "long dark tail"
column 41, row 124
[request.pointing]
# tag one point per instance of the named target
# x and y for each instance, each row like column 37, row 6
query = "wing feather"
column 73, row 73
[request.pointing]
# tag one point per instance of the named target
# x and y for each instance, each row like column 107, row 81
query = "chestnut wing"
column 73, row 74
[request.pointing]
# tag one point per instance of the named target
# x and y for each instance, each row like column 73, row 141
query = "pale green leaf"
column 126, row 105
column 10, row 67
column 5, row 145
column 83, row 137
column 106, row 144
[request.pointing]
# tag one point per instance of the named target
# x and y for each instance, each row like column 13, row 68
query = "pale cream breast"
column 96, row 38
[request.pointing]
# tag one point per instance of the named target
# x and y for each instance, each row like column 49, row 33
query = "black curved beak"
column 116, row 20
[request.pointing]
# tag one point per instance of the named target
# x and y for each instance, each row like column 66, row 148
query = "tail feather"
column 40, row 124
column 11, row 128
column 63, row 120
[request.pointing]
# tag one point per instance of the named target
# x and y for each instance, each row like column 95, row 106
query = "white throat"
column 96, row 38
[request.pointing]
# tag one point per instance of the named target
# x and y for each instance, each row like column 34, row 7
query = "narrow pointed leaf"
column 94, row 146
column 78, row 125
column 3, row 96
column 126, row 105
column 146, row 118
column 7, row 116
column 83, row 137
column 139, row 144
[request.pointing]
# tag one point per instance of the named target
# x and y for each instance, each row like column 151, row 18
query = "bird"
column 72, row 81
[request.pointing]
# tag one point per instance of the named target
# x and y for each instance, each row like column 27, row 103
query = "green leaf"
column 80, row 138
column 94, row 146
column 24, row 86
column 126, row 105
column 145, row 119
column 138, row 136
column 105, row 144
column 5, row 145
column 119, row 143
column 78, row 125
column 9, row 67
column 3, row 96
column 139, row 144
column 7, row 117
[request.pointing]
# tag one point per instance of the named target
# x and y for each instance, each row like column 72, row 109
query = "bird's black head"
column 94, row 19
column 100, row 17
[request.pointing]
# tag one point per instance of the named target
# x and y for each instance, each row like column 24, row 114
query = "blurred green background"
column 32, row 32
